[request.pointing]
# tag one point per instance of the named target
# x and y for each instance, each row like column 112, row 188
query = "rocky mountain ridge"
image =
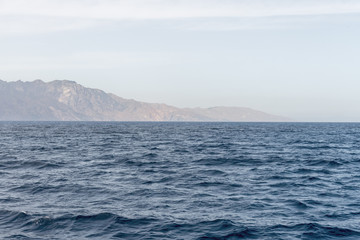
column 63, row 100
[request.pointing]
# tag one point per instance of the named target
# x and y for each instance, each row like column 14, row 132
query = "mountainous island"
column 63, row 100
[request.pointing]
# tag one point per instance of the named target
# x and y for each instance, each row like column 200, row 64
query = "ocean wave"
column 179, row 181
column 109, row 225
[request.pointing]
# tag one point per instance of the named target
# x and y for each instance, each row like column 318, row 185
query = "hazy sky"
column 296, row 58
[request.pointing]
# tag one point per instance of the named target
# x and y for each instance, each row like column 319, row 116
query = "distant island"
column 63, row 100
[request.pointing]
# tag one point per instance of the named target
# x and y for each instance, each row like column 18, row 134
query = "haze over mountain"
column 63, row 100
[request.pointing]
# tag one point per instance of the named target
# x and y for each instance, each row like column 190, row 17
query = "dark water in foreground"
column 179, row 181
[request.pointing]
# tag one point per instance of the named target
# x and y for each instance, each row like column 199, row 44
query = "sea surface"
column 122, row 180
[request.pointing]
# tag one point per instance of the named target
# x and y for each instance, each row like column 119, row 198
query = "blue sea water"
column 86, row 180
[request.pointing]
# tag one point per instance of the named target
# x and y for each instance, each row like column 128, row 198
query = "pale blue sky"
column 289, row 57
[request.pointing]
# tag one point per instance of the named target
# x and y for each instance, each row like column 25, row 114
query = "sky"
column 295, row 58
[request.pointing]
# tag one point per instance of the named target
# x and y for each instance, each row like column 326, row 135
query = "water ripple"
column 179, row 180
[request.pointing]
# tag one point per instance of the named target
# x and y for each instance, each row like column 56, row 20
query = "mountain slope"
column 69, row 101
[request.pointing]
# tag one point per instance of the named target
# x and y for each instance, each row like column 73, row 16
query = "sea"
column 179, row 180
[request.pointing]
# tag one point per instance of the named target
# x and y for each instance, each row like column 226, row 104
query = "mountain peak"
column 63, row 82
column 66, row 100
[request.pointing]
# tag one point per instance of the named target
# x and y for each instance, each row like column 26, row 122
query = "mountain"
column 68, row 101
